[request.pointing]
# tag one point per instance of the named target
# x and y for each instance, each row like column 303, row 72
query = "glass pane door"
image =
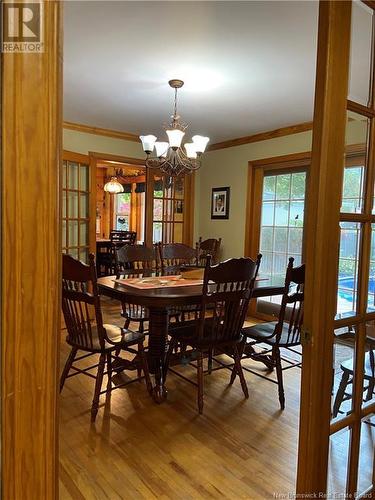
column 76, row 216
column 168, row 209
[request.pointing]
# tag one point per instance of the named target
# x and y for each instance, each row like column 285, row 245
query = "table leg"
column 157, row 346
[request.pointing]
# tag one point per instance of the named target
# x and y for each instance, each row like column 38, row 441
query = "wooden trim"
column 87, row 129
column 92, row 205
column 149, row 200
column 31, row 265
column 369, row 3
column 286, row 161
column 262, row 136
column 189, row 201
column 322, row 242
column 75, row 157
column 360, row 109
column 106, row 157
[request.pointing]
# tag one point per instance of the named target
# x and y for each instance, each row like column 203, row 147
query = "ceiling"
column 248, row 66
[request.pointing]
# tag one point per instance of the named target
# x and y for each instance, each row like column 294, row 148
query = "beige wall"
column 81, row 142
column 229, row 167
column 225, row 167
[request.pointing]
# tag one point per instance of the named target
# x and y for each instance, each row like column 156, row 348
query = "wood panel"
column 322, row 242
column 117, row 134
column 262, row 136
column 31, row 261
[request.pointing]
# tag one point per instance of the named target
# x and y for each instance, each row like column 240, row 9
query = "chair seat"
column 263, row 332
column 186, row 333
column 369, row 372
column 119, row 336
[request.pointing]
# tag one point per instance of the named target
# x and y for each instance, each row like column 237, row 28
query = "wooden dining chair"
column 87, row 333
column 124, row 237
column 211, row 246
column 117, row 240
column 173, row 256
column 227, row 289
column 132, row 261
column 284, row 333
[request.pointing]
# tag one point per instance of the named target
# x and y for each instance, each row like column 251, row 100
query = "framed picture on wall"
column 220, row 203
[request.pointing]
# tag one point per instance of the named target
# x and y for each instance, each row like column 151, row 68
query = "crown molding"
column 263, row 136
column 127, row 136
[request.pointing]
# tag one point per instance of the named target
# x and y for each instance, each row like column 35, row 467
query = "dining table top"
column 168, row 295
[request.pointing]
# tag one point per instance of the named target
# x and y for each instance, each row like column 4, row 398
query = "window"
column 281, row 232
column 122, row 211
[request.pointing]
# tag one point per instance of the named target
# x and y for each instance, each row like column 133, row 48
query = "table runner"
column 158, row 282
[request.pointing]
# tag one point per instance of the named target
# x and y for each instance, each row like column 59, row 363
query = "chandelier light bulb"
column 161, row 149
column 113, row 186
column 190, row 150
column 175, row 137
column 148, row 143
column 200, row 143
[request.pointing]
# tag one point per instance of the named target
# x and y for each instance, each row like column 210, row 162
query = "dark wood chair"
column 173, row 256
column 211, row 246
column 123, row 237
column 284, row 333
column 227, row 289
column 87, row 333
column 343, row 393
column 106, row 261
column 133, row 260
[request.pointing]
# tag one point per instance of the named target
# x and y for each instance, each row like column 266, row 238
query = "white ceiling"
column 248, row 66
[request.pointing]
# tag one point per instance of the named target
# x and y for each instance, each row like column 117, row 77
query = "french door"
column 170, row 208
column 76, row 205
column 337, row 433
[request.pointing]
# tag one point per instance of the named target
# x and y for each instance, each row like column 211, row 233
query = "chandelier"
column 171, row 157
column 113, row 186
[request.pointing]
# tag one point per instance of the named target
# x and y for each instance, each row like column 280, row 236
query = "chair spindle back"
column 81, row 302
column 227, row 289
column 292, row 303
column 135, row 258
column 175, row 255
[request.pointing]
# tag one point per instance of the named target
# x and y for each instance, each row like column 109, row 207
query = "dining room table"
column 162, row 294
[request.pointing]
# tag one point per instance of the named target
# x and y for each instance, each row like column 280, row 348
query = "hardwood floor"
column 238, row 449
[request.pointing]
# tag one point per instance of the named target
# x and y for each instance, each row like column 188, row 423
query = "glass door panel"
column 360, row 56
column 168, row 209
column 75, row 213
column 344, row 346
column 338, row 462
column 354, row 337
column 348, row 269
column 366, row 455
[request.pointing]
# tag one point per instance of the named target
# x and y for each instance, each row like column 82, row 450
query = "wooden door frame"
column 31, row 264
column 72, row 156
column 189, row 197
column 322, row 243
column 95, row 158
